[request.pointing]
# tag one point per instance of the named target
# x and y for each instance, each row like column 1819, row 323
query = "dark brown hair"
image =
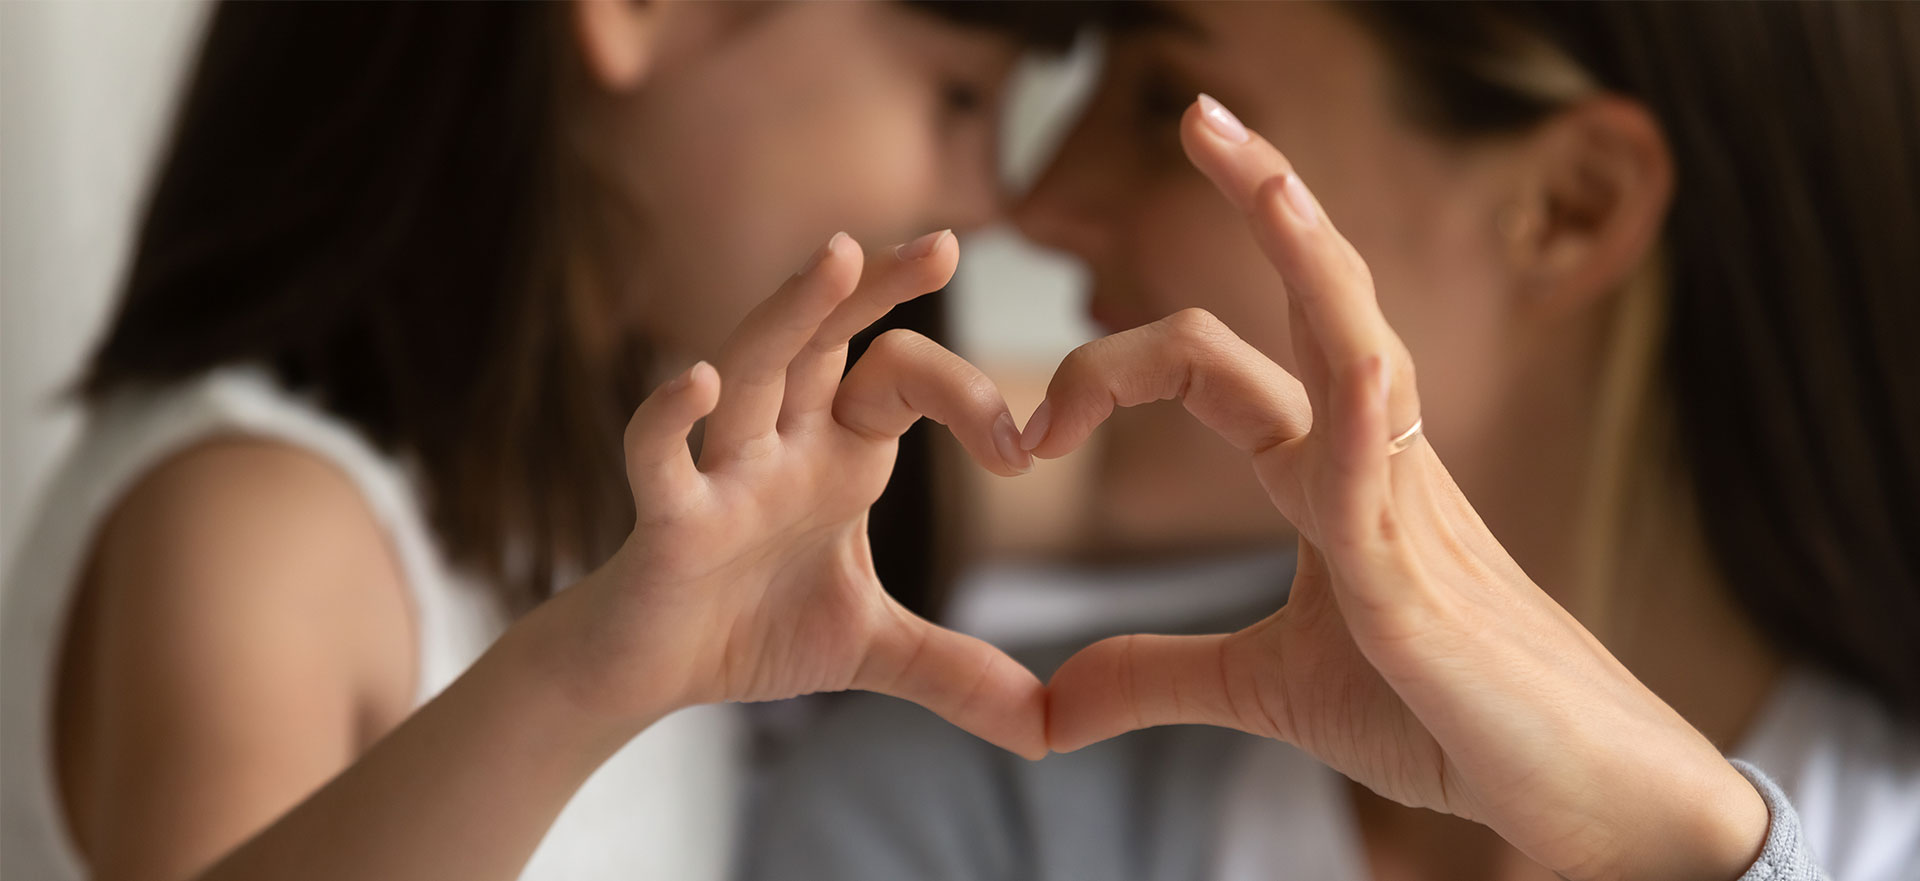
column 365, row 199
column 1792, row 258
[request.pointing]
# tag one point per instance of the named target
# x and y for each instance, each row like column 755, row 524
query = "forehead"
column 1292, row 41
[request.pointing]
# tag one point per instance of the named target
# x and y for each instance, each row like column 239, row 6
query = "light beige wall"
column 85, row 88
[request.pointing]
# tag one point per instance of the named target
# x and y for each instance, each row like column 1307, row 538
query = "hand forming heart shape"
column 1413, row 654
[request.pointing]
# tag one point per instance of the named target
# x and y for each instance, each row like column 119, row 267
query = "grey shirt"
column 881, row 789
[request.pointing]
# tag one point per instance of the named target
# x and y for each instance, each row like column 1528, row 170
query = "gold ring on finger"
column 1404, row 439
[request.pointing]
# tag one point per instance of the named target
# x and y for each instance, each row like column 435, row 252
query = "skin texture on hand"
column 748, row 576
column 1413, row 655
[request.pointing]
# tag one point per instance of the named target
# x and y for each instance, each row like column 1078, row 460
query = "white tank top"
column 663, row 807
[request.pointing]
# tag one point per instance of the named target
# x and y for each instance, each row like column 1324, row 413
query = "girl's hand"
column 1413, row 654
column 748, row 576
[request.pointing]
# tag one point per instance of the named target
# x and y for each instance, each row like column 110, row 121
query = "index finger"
column 891, row 277
column 963, row 679
column 1324, row 276
column 1221, row 379
column 753, row 362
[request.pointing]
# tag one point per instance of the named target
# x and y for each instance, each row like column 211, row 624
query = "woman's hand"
column 1413, row 654
column 748, row 576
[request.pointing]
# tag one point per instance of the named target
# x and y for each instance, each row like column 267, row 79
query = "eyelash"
column 963, row 98
column 1159, row 101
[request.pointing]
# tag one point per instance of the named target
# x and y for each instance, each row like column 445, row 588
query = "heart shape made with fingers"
column 1412, row 654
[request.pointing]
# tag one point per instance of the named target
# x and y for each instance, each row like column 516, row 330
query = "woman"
column 406, row 273
column 1653, row 263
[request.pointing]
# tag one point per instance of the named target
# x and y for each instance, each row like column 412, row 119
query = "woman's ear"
column 617, row 40
column 1594, row 195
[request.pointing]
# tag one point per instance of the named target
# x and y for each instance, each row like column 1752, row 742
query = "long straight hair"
column 370, row 201
column 1788, row 362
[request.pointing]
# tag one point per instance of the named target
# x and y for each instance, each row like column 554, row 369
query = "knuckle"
column 1357, row 267
column 1354, row 374
column 1268, row 200
column 897, row 339
column 1387, row 530
column 1409, row 376
column 1080, row 364
column 898, row 344
column 1241, row 654
column 980, row 391
column 1197, row 327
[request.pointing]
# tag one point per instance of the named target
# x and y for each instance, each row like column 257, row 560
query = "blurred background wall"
column 86, row 91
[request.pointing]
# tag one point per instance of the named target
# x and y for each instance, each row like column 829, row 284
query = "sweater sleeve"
column 1784, row 856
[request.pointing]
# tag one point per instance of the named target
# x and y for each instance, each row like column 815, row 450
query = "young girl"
column 1655, row 266
column 405, row 274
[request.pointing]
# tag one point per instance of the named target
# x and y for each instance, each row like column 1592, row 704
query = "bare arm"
column 466, row 788
column 240, row 635
column 747, row 578
column 243, row 629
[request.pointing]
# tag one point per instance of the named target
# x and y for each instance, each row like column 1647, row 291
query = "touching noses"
column 970, row 196
column 1073, row 206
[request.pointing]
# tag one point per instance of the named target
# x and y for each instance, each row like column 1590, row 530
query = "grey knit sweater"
column 881, row 789
column 1785, row 856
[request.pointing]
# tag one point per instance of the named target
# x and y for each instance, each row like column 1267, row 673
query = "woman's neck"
column 1670, row 617
column 1582, row 485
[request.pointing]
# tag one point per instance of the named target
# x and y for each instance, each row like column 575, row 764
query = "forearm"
column 465, row 788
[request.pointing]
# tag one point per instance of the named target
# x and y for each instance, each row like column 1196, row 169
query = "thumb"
column 1138, row 681
column 964, row 680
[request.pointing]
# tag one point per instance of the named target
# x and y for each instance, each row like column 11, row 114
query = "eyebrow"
column 1158, row 16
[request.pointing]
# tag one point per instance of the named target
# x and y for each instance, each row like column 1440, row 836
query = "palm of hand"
column 1414, row 655
column 748, row 576
column 799, row 586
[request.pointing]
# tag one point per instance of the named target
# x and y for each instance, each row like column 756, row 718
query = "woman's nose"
column 972, row 197
column 1080, row 197
column 1063, row 212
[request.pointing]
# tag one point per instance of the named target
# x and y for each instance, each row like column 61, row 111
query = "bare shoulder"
column 258, row 536
column 241, row 632
column 252, row 531
column 253, row 485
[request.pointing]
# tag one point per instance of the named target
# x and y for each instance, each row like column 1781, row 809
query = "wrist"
column 555, row 656
column 1733, row 822
column 1714, row 830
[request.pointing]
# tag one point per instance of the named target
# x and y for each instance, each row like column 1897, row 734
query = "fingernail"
column 678, row 383
column 821, row 254
column 1007, row 439
column 1222, row 120
column 1300, row 202
column 1036, row 426
column 921, row 246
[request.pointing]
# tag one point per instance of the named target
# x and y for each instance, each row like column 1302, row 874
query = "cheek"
column 738, row 202
column 1441, row 295
column 1193, row 250
column 1435, row 279
column 871, row 171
